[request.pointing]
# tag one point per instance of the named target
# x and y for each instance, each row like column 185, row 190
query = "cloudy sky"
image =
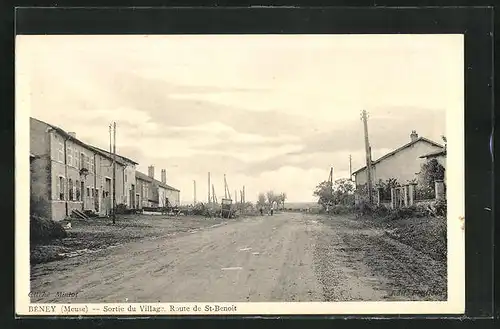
column 270, row 112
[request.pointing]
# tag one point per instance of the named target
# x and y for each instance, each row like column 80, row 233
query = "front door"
column 107, row 196
column 97, row 197
column 83, row 195
column 131, row 197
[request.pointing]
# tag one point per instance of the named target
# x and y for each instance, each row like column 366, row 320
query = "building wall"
column 162, row 196
column 129, row 186
column 56, row 178
column 404, row 165
column 153, row 194
column 40, row 168
column 173, row 197
column 144, row 189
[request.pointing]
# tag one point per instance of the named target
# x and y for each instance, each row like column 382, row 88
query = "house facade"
column 154, row 193
column 127, row 177
column 68, row 174
column 402, row 164
column 440, row 157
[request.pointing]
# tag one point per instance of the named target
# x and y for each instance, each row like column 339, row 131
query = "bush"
column 367, row 209
column 38, row 206
column 340, row 210
column 440, row 207
column 42, row 229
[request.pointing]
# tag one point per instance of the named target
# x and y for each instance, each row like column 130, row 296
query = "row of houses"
column 68, row 174
column 404, row 163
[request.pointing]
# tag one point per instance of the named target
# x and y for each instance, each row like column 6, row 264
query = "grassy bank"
column 424, row 229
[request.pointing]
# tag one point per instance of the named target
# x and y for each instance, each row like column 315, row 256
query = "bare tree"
column 261, row 200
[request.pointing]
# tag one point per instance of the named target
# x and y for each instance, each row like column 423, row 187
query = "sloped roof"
column 420, row 139
column 433, row 154
column 121, row 156
column 77, row 141
column 146, row 178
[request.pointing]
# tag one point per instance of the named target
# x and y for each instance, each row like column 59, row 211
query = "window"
column 88, row 192
column 69, row 153
column 82, row 160
column 125, row 178
column 77, row 188
column 87, row 162
column 60, row 151
column 60, row 188
column 76, row 158
column 91, row 165
column 70, row 189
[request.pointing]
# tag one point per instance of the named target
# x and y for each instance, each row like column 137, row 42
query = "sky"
column 272, row 112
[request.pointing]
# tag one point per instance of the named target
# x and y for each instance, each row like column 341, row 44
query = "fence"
column 408, row 195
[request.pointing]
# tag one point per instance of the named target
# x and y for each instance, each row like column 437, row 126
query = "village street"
column 285, row 257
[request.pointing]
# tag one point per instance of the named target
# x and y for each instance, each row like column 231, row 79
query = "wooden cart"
column 226, row 208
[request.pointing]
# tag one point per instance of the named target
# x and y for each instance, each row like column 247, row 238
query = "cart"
column 226, row 208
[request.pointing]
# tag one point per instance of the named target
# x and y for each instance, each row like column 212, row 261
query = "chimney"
column 151, row 171
column 72, row 134
column 413, row 135
column 164, row 176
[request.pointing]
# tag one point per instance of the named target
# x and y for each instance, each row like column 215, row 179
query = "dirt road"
column 286, row 257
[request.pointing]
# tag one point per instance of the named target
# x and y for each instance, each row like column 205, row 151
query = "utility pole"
column 225, row 187
column 194, row 190
column 214, row 196
column 330, row 180
column 364, row 117
column 350, row 167
column 235, row 197
column 244, row 194
column 209, row 200
column 114, row 172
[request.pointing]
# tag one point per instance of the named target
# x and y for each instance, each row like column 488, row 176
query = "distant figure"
column 261, row 211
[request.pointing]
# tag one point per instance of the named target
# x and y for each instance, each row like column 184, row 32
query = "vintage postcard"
column 239, row 174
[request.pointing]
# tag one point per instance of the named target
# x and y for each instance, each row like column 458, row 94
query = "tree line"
column 267, row 199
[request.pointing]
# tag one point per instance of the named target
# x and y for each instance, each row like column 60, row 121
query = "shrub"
column 340, row 210
column 38, row 206
column 121, row 209
column 43, row 229
column 440, row 207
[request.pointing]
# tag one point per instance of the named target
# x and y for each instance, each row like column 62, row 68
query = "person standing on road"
column 261, row 211
column 272, row 208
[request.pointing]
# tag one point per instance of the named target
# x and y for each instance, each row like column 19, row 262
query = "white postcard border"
column 456, row 239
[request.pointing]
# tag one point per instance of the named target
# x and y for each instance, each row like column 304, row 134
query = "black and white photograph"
column 241, row 174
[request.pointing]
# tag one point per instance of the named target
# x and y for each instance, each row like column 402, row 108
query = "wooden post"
column 209, row 200
column 114, row 172
column 412, row 193
column 405, row 191
column 439, row 188
column 364, row 117
column 393, row 198
column 194, row 192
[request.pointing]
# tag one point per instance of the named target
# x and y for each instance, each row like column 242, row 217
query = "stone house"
column 403, row 163
column 127, row 176
column 154, row 193
column 68, row 174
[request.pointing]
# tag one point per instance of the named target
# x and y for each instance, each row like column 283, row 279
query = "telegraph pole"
column 225, row 187
column 194, row 190
column 114, row 172
column 209, row 200
column 364, row 117
column 350, row 167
